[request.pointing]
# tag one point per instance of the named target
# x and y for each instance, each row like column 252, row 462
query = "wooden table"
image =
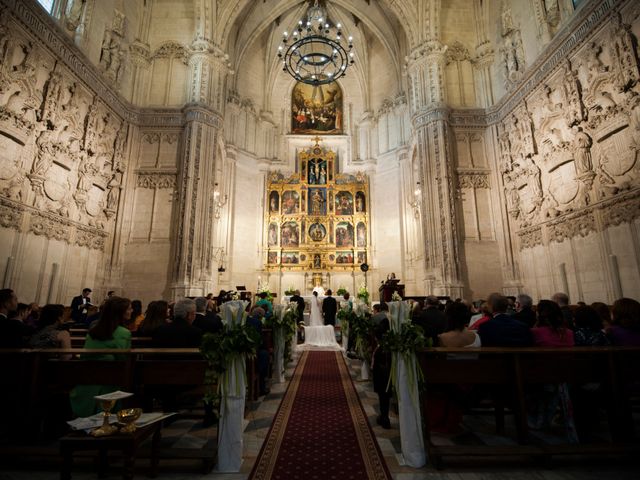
column 128, row 443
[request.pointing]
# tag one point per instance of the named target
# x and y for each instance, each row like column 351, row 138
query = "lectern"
column 388, row 288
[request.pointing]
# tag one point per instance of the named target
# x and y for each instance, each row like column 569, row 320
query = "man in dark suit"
column 503, row 330
column 524, row 310
column 208, row 322
column 431, row 319
column 300, row 301
column 180, row 333
column 79, row 306
column 562, row 299
column 329, row 309
column 13, row 332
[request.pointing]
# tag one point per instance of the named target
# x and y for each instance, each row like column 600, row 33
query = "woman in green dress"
column 108, row 332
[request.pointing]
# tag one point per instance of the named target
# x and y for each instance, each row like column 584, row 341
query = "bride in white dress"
column 315, row 318
column 317, row 334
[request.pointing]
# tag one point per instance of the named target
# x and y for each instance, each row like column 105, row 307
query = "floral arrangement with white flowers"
column 363, row 293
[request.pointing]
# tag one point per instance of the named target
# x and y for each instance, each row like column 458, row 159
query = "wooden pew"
column 136, row 342
column 36, row 373
column 515, row 369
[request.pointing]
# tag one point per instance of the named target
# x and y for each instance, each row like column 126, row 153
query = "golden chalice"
column 128, row 417
column 106, row 428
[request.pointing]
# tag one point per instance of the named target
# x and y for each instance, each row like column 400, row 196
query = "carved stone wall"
column 62, row 161
column 568, row 159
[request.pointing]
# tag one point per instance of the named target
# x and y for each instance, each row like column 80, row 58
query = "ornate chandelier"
column 314, row 53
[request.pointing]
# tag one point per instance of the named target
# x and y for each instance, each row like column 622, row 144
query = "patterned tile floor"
column 258, row 421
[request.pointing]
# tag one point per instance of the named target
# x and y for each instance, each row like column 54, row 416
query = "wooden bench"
column 40, row 373
column 136, row 342
column 513, row 370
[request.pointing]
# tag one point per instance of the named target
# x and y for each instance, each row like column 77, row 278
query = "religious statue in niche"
column 317, row 232
column 317, row 261
column 73, row 14
column 317, row 201
column 316, row 109
column 582, row 151
column 344, row 203
column 361, row 235
column 623, row 52
column 272, row 236
column 289, row 235
column 290, row 202
column 360, row 205
column 317, row 172
column 362, row 257
column 344, row 234
column 274, row 202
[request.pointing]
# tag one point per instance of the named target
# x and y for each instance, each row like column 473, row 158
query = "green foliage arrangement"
column 408, row 341
column 219, row 349
column 360, row 328
column 363, row 294
column 346, row 316
column 405, row 343
column 341, row 291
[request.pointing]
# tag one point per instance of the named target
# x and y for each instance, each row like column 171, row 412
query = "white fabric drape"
column 233, row 389
column 406, row 376
column 320, row 338
column 278, row 345
column 365, row 371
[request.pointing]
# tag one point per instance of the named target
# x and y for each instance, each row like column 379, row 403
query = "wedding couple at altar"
column 323, row 310
column 322, row 319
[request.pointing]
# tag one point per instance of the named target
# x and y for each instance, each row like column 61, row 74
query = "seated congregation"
column 559, row 369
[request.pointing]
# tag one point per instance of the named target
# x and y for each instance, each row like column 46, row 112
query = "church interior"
column 168, row 149
column 500, row 154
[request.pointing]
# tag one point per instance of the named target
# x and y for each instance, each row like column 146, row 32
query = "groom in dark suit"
column 329, row 309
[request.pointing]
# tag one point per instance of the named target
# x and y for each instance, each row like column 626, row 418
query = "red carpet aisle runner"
column 320, row 430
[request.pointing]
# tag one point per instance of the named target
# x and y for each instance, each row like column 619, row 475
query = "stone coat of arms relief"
column 62, row 148
column 572, row 144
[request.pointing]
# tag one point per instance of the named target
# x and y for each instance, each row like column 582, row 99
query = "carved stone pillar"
column 431, row 130
column 364, row 136
column 140, row 61
column 483, row 62
column 209, row 68
column 193, row 268
column 199, row 195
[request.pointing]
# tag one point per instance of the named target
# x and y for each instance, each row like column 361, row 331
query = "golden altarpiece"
column 317, row 219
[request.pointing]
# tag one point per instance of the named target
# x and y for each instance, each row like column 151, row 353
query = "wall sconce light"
column 218, row 255
column 415, row 201
column 219, row 201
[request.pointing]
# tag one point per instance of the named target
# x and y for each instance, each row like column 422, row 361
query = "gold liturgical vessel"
column 127, row 417
column 106, row 428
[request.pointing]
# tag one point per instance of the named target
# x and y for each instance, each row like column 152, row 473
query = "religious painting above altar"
column 316, row 219
column 316, row 109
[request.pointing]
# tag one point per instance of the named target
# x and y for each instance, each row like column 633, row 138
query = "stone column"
column 194, row 268
column 482, row 62
column 430, row 120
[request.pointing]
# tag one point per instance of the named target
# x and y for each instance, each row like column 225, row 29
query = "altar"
column 322, row 337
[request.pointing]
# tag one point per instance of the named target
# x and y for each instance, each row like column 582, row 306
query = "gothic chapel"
column 159, row 149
